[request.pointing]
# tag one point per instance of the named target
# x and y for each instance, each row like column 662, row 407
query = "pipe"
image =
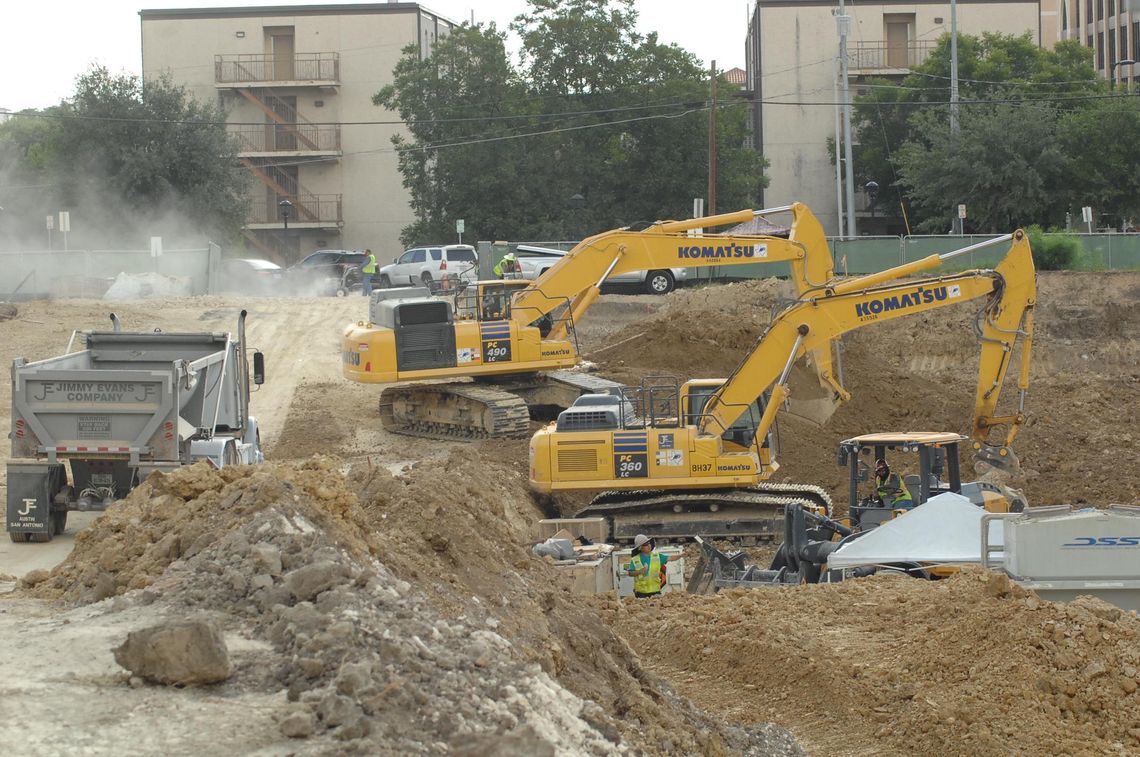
column 116, row 324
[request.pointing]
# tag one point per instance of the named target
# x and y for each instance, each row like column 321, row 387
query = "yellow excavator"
column 696, row 458
column 515, row 340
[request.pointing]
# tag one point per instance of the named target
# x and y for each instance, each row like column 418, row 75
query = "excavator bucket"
column 1002, row 458
column 808, row 397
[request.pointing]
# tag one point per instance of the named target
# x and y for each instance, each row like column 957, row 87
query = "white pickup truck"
column 534, row 261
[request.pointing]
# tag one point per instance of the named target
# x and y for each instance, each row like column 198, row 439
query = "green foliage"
column 595, row 109
column 895, row 127
column 1054, row 252
column 129, row 159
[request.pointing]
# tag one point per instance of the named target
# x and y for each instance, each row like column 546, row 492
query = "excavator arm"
column 575, row 281
column 809, row 324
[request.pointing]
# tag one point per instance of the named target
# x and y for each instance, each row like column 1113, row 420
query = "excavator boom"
column 720, row 438
column 522, row 336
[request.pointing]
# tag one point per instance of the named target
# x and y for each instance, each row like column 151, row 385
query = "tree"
column 128, row 158
column 595, row 110
column 1104, row 139
column 1010, row 176
column 992, row 66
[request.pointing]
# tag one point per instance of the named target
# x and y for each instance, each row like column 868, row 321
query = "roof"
column 907, row 437
column 287, row 10
column 737, row 76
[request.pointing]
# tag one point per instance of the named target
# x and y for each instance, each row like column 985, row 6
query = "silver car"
column 535, row 261
column 428, row 266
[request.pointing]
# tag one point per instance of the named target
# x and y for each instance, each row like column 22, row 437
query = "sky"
column 45, row 45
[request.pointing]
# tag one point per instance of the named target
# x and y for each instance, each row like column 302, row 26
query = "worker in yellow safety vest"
column 892, row 490
column 368, row 270
column 507, row 266
column 647, row 566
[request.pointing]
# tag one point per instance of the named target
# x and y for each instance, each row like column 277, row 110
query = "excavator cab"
column 927, row 463
column 487, row 300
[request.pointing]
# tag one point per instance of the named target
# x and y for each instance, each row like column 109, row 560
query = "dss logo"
column 350, row 358
column 1104, row 541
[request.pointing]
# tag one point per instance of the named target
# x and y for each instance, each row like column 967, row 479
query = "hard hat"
column 881, row 463
column 639, row 541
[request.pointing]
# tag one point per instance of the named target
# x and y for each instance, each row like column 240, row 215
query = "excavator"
column 697, row 458
column 514, row 341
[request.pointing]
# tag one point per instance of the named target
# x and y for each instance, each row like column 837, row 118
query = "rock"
column 8, row 311
column 178, row 653
column 104, row 586
column 267, row 559
column 298, row 724
column 310, row 667
column 310, row 580
column 353, row 678
column 998, row 585
column 335, row 710
column 34, row 577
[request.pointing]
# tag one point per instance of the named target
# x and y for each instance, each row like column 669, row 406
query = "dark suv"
column 327, row 272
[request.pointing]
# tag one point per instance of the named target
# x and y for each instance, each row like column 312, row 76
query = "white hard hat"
column 639, row 540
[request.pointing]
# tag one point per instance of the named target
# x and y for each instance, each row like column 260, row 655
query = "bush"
column 1054, row 252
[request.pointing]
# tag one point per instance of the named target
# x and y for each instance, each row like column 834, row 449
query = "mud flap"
column 31, row 489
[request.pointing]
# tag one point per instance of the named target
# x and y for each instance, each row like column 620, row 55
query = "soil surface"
column 378, row 595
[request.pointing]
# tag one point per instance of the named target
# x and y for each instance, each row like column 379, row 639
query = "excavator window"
column 742, row 432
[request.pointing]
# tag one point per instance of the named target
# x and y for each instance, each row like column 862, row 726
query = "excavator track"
column 454, row 411
column 754, row 514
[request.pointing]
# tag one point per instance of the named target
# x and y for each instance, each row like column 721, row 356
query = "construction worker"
column 647, row 566
column 368, row 270
column 507, row 265
column 892, row 490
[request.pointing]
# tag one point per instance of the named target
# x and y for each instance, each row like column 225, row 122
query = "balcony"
column 297, row 70
column 880, row 57
column 310, row 211
column 287, row 140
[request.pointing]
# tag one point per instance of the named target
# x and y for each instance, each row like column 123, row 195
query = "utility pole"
column 953, row 66
column 712, row 141
column 838, row 141
column 954, row 80
column 844, row 27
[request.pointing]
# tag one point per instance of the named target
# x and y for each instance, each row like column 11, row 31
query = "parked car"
column 251, row 276
column 427, row 266
column 536, row 260
column 327, row 272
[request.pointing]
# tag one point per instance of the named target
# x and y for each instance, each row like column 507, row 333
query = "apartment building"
column 297, row 84
column 792, row 75
column 1111, row 28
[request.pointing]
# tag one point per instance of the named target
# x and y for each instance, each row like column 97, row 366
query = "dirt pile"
column 919, row 373
column 899, row 666
column 403, row 615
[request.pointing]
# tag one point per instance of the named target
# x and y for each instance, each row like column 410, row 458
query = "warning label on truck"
column 93, row 427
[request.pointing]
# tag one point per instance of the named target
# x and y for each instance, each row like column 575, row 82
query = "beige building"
column 297, row 83
column 792, row 63
column 1110, row 27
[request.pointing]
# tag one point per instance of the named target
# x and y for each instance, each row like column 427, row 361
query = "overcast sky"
column 46, row 44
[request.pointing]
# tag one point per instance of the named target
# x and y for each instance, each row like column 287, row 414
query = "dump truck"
column 128, row 405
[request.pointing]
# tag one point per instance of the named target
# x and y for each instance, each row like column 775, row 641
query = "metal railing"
column 249, row 68
column 298, row 137
column 307, row 208
column 879, row 55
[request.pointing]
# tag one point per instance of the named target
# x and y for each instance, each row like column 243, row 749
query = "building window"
column 1100, row 51
column 1136, row 40
column 1123, row 42
column 1111, row 48
column 1089, row 11
column 1099, row 9
column 1111, row 8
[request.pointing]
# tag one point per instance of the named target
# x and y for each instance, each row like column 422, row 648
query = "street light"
column 286, row 208
column 1112, row 76
column 577, row 202
column 872, row 190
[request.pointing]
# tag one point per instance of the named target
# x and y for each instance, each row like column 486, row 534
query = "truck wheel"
column 659, row 282
column 58, row 522
column 425, row 277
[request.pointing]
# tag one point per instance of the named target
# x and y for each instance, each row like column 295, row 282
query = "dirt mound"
column 919, row 373
column 403, row 612
column 900, row 666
